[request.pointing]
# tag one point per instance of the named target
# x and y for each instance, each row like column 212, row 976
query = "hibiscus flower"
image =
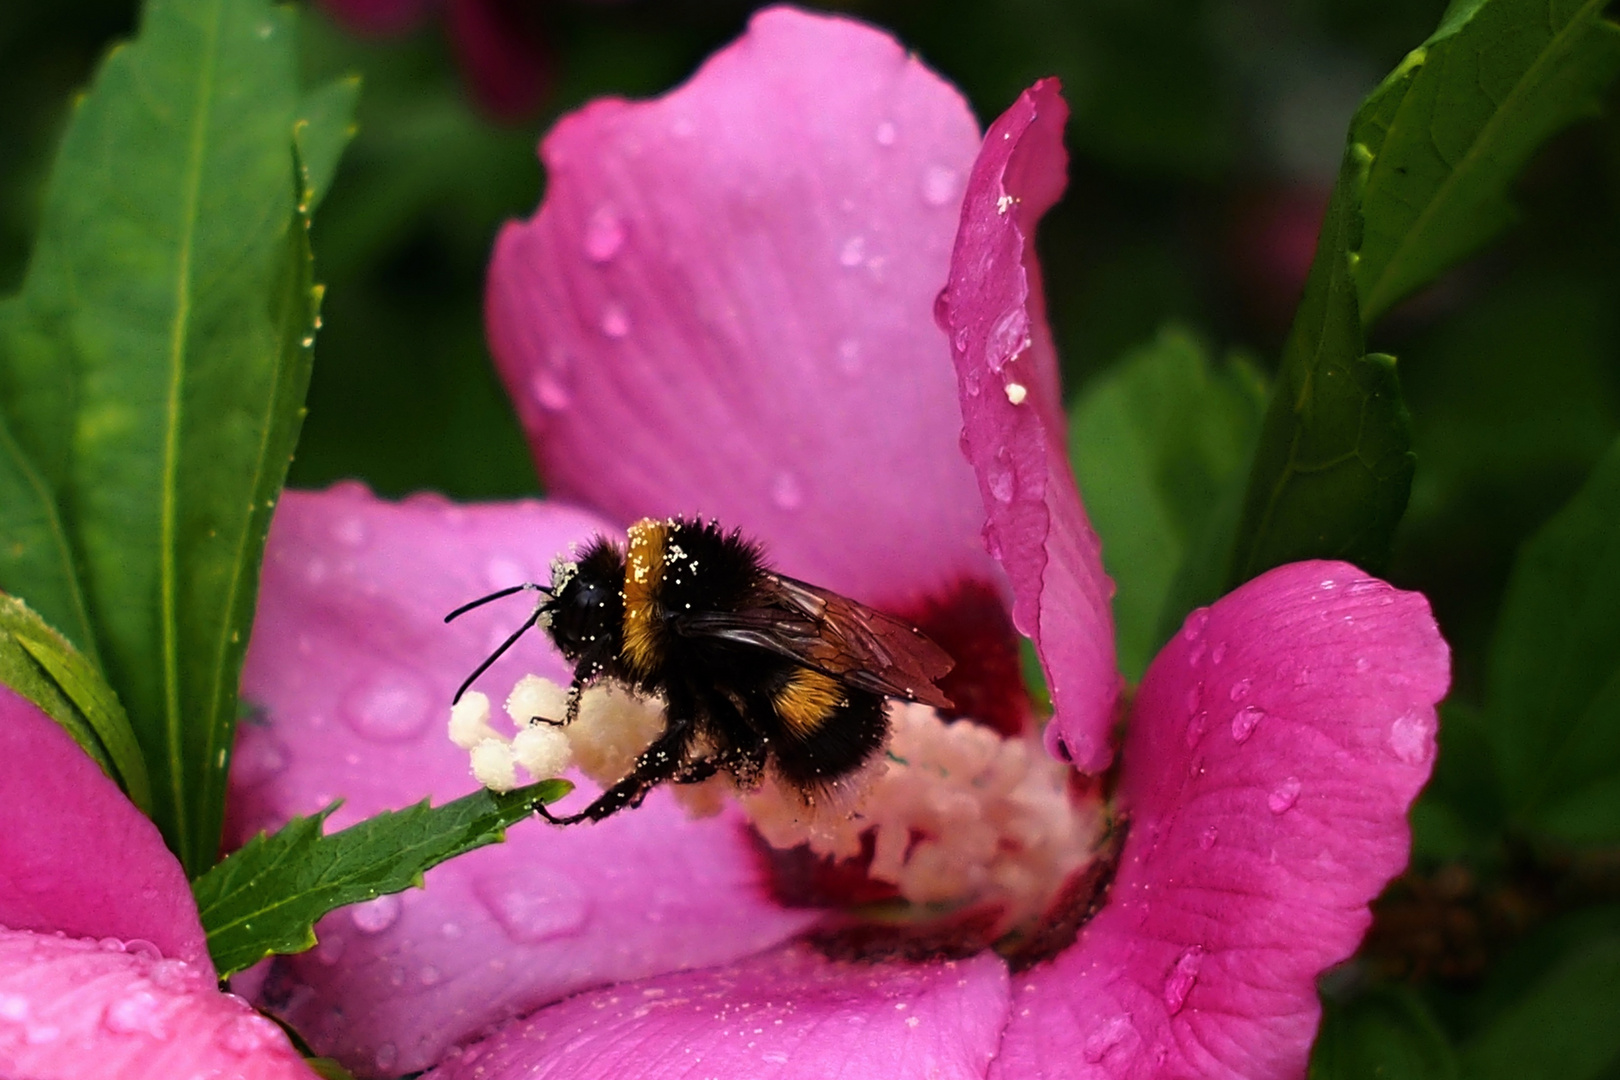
column 726, row 305
column 103, row 966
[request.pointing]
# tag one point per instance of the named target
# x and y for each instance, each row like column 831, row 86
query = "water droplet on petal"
column 853, row 251
column 1000, row 481
column 1218, row 653
column 1362, row 664
column 351, row 531
column 534, row 909
column 1193, row 628
column 604, row 234
column 1245, row 720
column 13, row 1007
column 992, row 540
column 1196, row 726
column 388, row 707
column 375, row 916
column 1328, row 584
column 1411, row 737
column 259, row 757
column 1240, row 690
column 1207, row 838
column 615, row 320
column 139, row 1012
column 1179, row 983
column 1008, row 337
column 939, row 185
column 885, row 134
column 1110, row 1034
column 428, row 976
column 786, row 491
column 386, row 1056
column 1284, row 796
column 550, row 389
column 1364, row 586
column 248, row 1034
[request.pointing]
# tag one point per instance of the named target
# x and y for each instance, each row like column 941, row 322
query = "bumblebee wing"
column 834, row 635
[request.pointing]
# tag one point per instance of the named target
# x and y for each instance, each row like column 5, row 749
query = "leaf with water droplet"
column 265, row 898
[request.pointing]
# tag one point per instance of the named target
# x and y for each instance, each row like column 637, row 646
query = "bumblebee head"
column 586, row 609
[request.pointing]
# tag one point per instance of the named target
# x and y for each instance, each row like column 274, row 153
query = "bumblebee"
column 757, row 670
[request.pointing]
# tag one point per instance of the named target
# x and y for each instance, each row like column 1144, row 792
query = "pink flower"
column 103, row 967
column 726, row 306
column 496, row 42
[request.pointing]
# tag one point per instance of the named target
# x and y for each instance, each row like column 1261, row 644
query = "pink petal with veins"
column 787, row 1015
column 723, row 307
column 1013, row 426
column 75, row 854
column 72, row 1008
column 1275, row 746
column 352, row 669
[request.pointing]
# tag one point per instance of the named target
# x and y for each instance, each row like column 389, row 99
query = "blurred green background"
column 1205, row 137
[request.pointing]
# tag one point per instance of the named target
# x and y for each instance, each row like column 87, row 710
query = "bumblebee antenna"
column 496, row 595
column 507, row 644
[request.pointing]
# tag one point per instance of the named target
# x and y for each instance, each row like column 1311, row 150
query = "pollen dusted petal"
column 75, row 854
column 351, row 672
column 723, row 308
column 995, row 313
column 72, row 1008
column 787, row 1015
column 1275, row 747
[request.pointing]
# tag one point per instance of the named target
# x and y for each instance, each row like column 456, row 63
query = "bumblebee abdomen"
column 825, row 729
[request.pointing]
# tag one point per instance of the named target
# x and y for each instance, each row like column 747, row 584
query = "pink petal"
column 73, row 1008
column 1274, row 748
column 790, row 1014
column 76, row 854
column 354, row 669
column 722, row 307
column 379, row 16
column 1013, row 426
column 499, row 50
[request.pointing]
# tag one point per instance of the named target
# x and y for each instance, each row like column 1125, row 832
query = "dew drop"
column 853, row 251
column 1179, row 983
column 1193, row 628
column 1207, row 838
column 375, row 916
column 351, row 531
column 942, row 309
column 1196, row 726
column 885, row 134
column 615, row 320
column 259, row 757
column 1328, row 585
column 550, row 388
column 961, row 342
column 13, row 1007
column 1364, row 586
column 849, row 356
column 1411, row 736
column 532, row 910
column 1245, row 720
column 1000, row 480
column 1362, row 664
column 992, row 540
column 428, row 976
column 1195, row 655
column 1194, row 696
column 1218, row 653
column 247, row 1034
column 387, row 707
column 140, row 1012
column 604, row 234
column 939, row 185
column 1284, row 796
column 386, row 1056
column 1008, row 337
column 1240, row 690
column 786, row 491
column 1105, row 1038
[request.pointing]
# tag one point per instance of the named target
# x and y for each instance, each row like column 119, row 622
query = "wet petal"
column 1275, row 746
column 1013, row 426
column 723, row 307
column 72, row 1008
column 77, row 856
column 790, row 1014
column 352, row 670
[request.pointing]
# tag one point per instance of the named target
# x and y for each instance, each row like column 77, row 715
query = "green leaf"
column 1153, row 444
column 1449, row 130
column 265, row 898
column 1553, row 688
column 158, row 356
column 1388, row 1035
column 1562, row 1027
column 43, row 667
column 324, row 127
column 36, row 554
column 1334, row 464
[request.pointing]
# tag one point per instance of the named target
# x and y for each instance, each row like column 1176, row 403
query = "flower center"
column 955, row 837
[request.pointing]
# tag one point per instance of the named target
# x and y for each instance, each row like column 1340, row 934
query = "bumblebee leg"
column 661, row 761
column 695, row 772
